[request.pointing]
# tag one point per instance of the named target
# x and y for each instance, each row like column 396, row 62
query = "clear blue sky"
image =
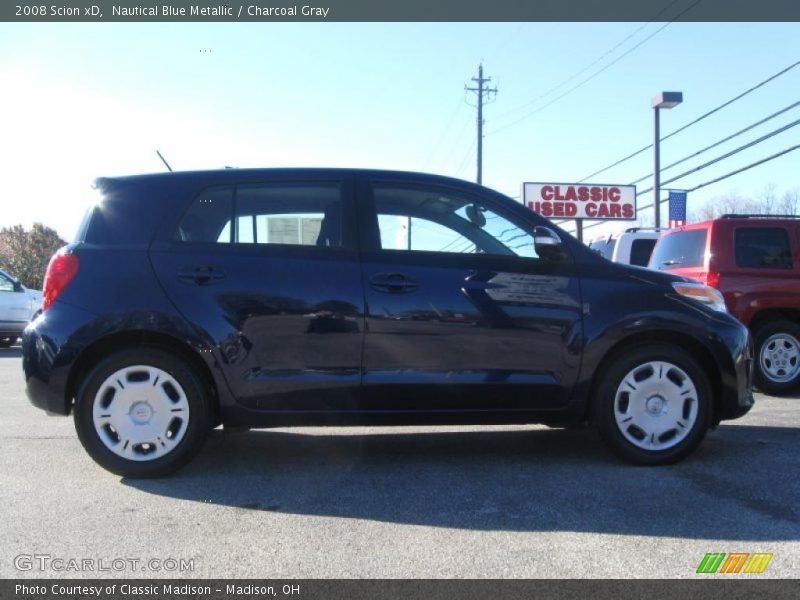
column 86, row 100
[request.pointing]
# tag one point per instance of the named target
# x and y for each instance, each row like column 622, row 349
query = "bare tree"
column 25, row 254
column 766, row 202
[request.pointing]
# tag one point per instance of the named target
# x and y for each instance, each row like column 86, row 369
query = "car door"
column 14, row 304
column 269, row 271
column 463, row 312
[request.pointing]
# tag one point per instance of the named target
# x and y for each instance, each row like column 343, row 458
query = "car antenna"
column 164, row 160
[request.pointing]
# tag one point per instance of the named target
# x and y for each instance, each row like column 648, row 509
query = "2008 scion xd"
column 264, row 298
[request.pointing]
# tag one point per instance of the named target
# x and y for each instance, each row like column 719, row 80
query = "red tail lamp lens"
column 60, row 271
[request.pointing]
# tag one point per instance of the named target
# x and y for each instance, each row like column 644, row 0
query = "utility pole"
column 481, row 91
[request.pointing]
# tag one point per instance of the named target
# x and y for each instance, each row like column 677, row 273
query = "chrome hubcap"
column 655, row 405
column 780, row 358
column 140, row 413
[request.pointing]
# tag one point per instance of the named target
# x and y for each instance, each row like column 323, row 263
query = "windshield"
column 680, row 249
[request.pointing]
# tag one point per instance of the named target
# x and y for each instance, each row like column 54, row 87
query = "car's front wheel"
column 777, row 348
column 652, row 405
column 142, row 412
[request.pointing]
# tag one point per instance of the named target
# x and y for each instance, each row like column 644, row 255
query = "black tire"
column 7, row 342
column 196, row 395
column 605, row 401
column 761, row 376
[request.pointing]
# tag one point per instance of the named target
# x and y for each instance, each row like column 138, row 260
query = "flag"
column 677, row 209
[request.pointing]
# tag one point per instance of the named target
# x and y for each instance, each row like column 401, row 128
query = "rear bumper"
column 47, row 357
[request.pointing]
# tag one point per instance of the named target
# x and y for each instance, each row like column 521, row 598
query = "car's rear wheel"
column 777, row 348
column 142, row 412
column 652, row 405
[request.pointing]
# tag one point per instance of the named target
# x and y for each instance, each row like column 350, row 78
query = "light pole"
column 663, row 100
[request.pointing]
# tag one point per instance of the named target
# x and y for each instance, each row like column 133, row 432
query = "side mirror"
column 17, row 286
column 547, row 244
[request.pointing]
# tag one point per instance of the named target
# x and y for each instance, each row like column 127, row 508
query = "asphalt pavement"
column 441, row 502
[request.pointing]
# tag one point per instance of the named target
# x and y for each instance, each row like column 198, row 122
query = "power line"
column 735, row 151
column 746, row 167
column 698, row 119
column 582, row 83
column 727, row 154
column 720, row 178
column 453, row 115
column 720, row 142
column 464, row 160
column 590, row 65
column 596, row 73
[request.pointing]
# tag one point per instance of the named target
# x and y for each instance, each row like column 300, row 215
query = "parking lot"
column 459, row 502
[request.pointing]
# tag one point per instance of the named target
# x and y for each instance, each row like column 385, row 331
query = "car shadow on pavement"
column 741, row 484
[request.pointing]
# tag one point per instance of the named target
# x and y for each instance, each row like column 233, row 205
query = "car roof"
column 737, row 220
column 236, row 174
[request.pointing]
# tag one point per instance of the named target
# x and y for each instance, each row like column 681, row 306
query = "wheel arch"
column 766, row 315
column 113, row 342
column 702, row 355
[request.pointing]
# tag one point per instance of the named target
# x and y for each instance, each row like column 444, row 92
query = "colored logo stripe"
column 734, row 562
column 713, row 562
column 758, row 563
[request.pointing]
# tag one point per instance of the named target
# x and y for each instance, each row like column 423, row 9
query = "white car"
column 18, row 306
column 631, row 247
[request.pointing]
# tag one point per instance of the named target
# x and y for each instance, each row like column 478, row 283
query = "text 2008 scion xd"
column 265, row 298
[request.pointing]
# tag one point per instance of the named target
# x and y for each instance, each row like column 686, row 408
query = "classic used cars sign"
column 581, row 200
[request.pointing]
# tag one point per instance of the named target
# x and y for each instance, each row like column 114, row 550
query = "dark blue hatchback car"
column 265, row 298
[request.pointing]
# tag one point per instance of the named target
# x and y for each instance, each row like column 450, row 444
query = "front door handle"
column 393, row 283
column 201, row 274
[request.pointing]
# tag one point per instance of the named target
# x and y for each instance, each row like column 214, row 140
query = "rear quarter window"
column 763, row 247
column 680, row 249
column 641, row 251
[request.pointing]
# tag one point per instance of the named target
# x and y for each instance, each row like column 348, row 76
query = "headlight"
column 702, row 293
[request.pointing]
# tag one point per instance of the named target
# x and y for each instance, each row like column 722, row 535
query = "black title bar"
column 400, row 10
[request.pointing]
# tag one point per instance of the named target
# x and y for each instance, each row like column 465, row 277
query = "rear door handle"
column 201, row 274
column 394, row 283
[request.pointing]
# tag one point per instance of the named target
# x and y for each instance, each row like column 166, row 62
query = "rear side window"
column 641, row 250
column 763, row 247
column 285, row 214
column 289, row 214
column 680, row 249
column 209, row 217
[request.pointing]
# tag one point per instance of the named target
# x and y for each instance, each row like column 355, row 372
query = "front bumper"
column 737, row 383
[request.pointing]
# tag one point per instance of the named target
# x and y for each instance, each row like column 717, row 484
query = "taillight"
column 712, row 279
column 60, row 271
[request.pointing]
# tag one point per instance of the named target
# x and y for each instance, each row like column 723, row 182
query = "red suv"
column 754, row 260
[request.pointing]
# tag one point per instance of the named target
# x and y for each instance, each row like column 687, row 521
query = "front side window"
column 763, row 247
column 412, row 219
